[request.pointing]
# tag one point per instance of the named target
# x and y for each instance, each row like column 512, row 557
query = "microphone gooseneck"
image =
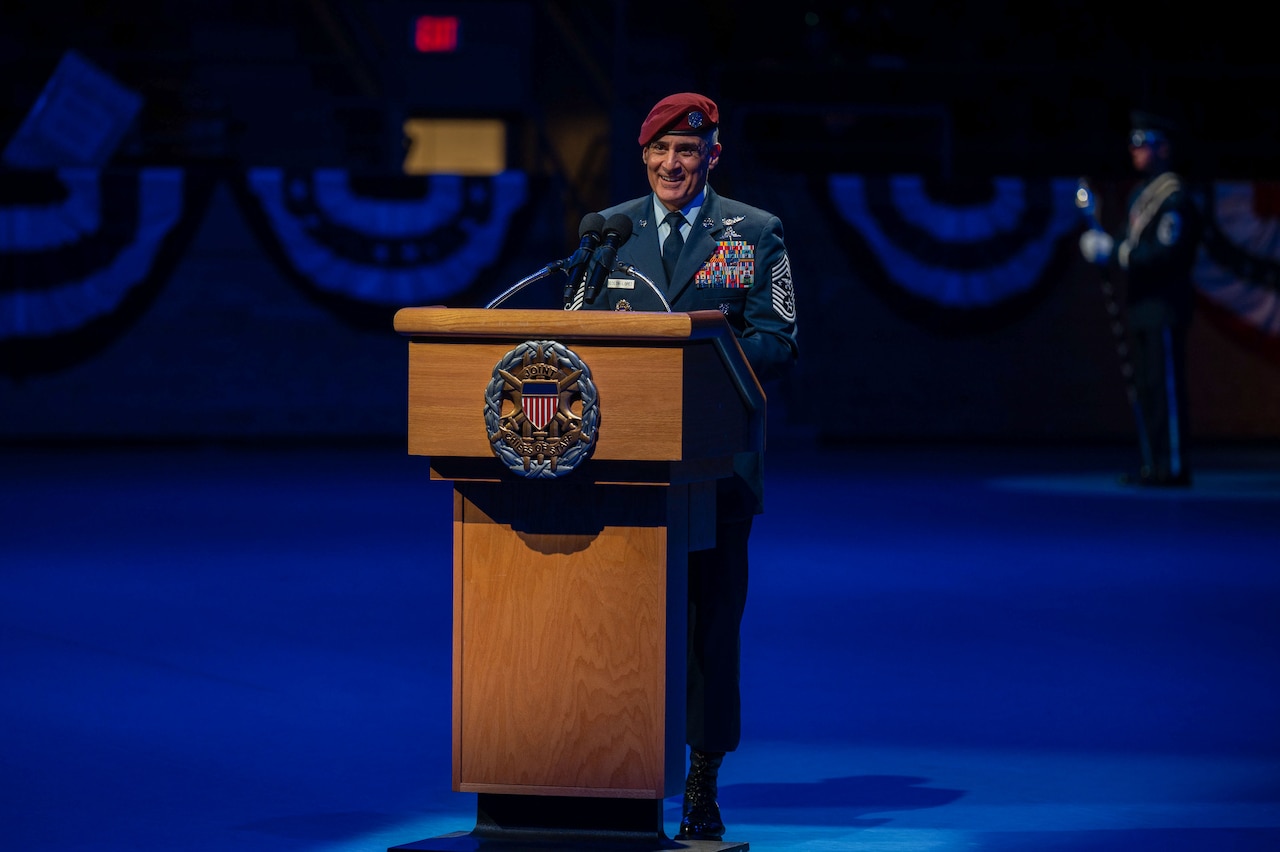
column 631, row 270
column 575, row 265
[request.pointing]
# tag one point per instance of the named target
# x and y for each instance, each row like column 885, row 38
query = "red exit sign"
column 435, row 34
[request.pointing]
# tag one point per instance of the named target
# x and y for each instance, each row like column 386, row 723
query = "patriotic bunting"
column 394, row 252
column 1238, row 271
column 949, row 261
column 76, row 252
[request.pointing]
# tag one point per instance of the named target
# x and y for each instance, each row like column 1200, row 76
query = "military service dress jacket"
column 734, row 261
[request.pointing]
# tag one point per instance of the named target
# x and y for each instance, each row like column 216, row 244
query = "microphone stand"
column 620, row 266
column 630, row 269
column 525, row 282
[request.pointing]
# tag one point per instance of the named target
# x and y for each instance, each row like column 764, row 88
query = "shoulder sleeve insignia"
column 781, row 289
column 1169, row 228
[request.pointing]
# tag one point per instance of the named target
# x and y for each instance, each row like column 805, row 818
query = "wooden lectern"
column 569, row 590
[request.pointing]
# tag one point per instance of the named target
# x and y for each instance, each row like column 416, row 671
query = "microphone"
column 588, row 239
column 617, row 230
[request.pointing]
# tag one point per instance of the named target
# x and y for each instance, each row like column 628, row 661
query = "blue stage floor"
column 946, row 649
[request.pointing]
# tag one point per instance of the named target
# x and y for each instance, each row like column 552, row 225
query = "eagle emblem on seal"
column 541, row 410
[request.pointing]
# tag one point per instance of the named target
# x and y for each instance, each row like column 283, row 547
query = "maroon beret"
column 686, row 112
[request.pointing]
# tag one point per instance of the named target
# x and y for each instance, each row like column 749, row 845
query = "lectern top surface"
column 518, row 323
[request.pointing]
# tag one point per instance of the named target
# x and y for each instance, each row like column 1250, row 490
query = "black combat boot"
column 701, row 820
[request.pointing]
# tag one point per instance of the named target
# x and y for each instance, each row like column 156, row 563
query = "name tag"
column 621, row 284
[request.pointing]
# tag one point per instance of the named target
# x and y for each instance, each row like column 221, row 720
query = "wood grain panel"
column 561, row 653
column 640, row 390
column 671, row 387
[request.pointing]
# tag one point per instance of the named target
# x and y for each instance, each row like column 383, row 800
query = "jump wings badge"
column 541, row 410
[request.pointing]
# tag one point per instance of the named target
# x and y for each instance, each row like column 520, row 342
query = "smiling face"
column 677, row 166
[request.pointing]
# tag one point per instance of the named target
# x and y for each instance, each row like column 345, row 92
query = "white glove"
column 1096, row 246
column 1122, row 254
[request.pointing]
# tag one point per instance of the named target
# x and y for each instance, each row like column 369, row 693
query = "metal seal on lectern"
column 541, row 410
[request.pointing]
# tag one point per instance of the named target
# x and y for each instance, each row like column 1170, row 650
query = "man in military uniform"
column 1156, row 251
column 707, row 252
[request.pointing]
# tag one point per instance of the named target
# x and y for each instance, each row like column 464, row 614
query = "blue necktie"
column 674, row 242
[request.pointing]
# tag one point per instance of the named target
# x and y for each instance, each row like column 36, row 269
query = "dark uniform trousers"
column 1160, row 383
column 717, row 599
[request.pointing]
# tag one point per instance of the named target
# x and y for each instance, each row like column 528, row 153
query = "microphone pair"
column 598, row 244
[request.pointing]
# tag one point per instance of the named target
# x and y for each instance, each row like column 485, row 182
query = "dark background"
column 947, row 90
column 1021, row 89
